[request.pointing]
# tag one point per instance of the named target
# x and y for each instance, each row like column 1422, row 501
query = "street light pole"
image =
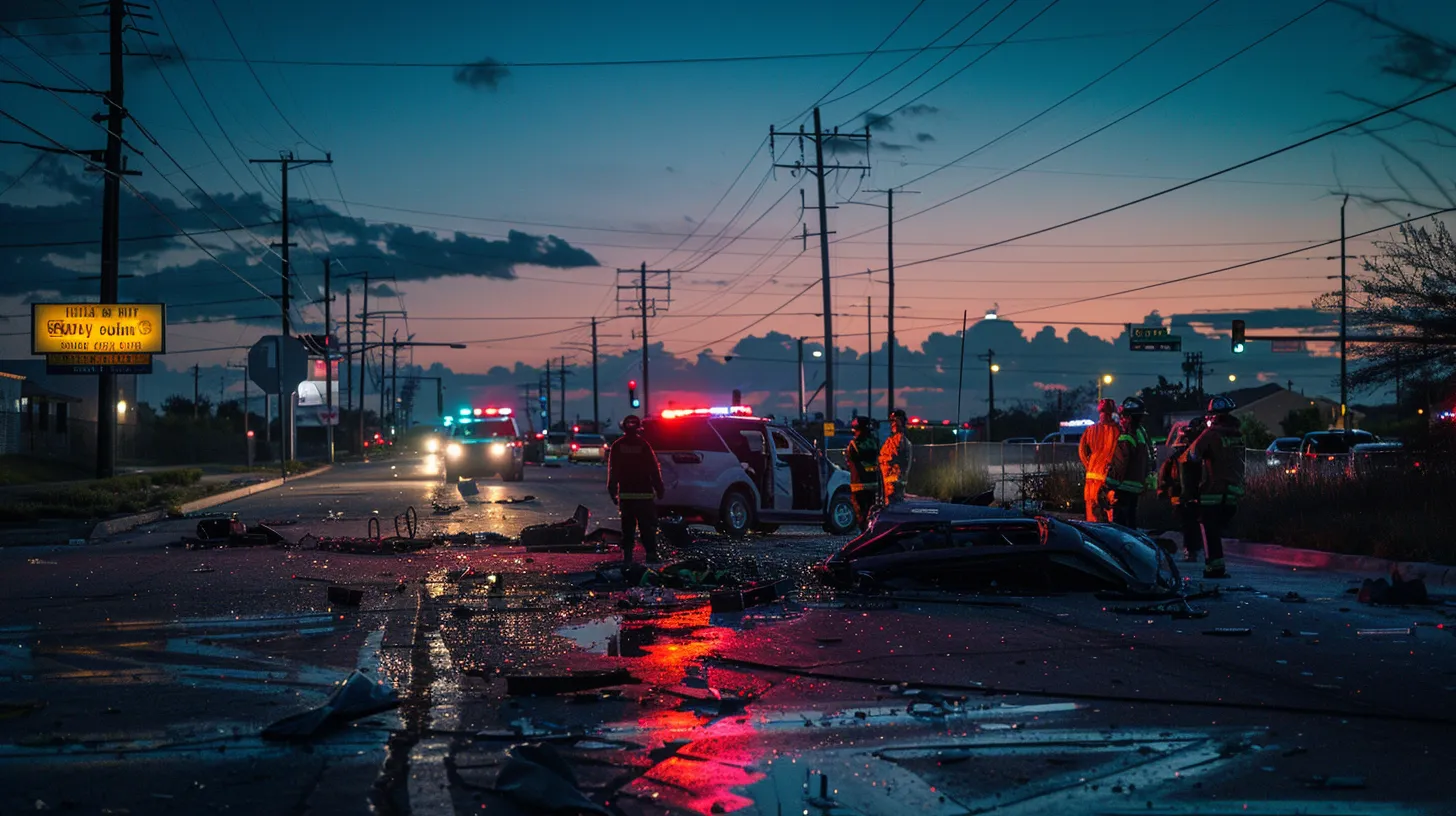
column 889, row 208
column 961, row 381
column 1344, row 301
column 802, row 418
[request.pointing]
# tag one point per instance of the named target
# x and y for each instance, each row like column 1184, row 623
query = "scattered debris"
column 10, row 711
column 1177, row 608
column 1386, row 632
column 1336, row 782
column 745, row 597
column 204, row 569
column 1293, row 597
column 537, row 778
column 519, row 685
column 1395, row 592
column 40, row 562
column 345, row 596
column 1229, row 632
column 443, row 509
column 358, row 695
column 565, row 535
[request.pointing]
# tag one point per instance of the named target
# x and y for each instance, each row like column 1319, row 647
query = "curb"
column 1434, row 575
column 124, row 524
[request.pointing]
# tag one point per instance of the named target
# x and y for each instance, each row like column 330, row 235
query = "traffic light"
column 1238, row 337
column 632, row 394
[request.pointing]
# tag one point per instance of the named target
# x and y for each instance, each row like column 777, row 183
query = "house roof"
column 7, row 375
column 33, row 391
column 1246, row 396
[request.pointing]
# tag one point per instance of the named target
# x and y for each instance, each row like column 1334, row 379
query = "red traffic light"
column 631, row 383
column 250, row 434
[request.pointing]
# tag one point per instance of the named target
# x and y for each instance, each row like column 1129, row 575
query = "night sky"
column 493, row 183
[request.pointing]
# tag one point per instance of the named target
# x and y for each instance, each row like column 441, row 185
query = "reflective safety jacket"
column 894, row 460
column 632, row 469
column 1219, row 453
column 862, row 457
column 1131, row 468
column 1175, row 479
column 1096, row 448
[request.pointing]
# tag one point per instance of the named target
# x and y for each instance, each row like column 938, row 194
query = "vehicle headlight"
column 454, row 450
column 498, row 449
column 432, row 445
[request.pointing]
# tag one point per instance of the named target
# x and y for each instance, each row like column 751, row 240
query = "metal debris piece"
column 569, row 683
column 345, row 596
column 358, row 695
column 1229, row 632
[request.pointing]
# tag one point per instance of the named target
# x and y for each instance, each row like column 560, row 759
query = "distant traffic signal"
column 632, row 394
column 1238, row 337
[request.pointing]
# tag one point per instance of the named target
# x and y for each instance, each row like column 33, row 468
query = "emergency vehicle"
column 484, row 442
column 725, row 467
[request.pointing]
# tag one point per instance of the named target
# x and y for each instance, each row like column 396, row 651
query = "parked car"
column 1370, row 458
column 957, row 546
column 485, row 446
column 1327, row 453
column 1019, row 440
column 743, row 473
column 1282, row 453
column 588, row 447
column 557, row 447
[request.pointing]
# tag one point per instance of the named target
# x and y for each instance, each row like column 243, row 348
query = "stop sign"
column 277, row 364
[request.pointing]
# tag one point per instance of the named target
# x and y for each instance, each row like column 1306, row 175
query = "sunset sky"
column 666, row 161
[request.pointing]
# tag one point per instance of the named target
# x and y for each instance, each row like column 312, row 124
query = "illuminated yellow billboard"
column 98, row 328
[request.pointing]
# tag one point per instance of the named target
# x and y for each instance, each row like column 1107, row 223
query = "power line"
column 1235, row 266
column 930, row 46
column 259, row 80
column 1110, row 124
column 801, row 114
column 1231, row 168
column 133, row 238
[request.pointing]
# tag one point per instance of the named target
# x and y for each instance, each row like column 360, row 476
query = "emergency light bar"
column 485, row 412
column 1077, row 423
column 722, row 410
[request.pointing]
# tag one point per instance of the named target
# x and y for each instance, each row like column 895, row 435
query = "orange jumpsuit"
column 1095, row 450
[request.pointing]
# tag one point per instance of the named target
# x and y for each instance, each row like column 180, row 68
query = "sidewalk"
column 1436, row 576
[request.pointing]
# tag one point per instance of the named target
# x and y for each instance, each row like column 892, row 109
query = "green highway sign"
column 1153, row 338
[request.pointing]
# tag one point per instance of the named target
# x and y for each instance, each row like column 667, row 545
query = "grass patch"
column 1403, row 515
column 102, row 498
column 295, row 467
column 949, row 479
column 20, row 470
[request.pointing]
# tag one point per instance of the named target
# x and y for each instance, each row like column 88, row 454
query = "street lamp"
column 818, row 353
column 1106, row 380
column 1233, row 378
column 120, row 409
column 991, row 313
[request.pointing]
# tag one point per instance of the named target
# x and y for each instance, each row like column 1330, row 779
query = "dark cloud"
column 842, row 143
column 876, row 121
column 894, row 147
column 46, row 249
column 56, row 26
column 1416, row 58
column 671, row 169
column 919, row 109
column 689, row 219
column 483, row 75
column 924, row 138
column 383, row 290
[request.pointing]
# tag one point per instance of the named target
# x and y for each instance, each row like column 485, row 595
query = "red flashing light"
column 366, row 444
column 731, row 410
column 250, row 436
column 576, row 429
column 945, row 422
column 575, row 446
column 631, row 383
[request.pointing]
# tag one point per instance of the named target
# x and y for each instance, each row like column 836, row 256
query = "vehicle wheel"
column 839, row 519
column 735, row 515
column 766, row 529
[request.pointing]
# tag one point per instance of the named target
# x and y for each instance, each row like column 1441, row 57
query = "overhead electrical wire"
column 930, row 46
column 259, row 80
column 857, row 66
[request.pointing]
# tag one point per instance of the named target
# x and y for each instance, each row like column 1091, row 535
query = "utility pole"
column 646, row 307
column 596, row 406
column 889, row 208
column 802, row 419
column 348, row 349
column 818, row 170
column 870, row 358
column 329, row 358
column 961, row 381
column 196, row 389
column 991, row 369
column 117, row 11
column 1344, row 308
column 288, row 402
column 563, row 391
column 363, row 360
column 546, row 391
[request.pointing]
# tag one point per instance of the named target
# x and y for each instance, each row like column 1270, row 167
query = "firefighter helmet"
column 1107, row 406
column 1132, row 406
column 862, row 423
column 898, row 415
column 631, row 423
column 1220, row 405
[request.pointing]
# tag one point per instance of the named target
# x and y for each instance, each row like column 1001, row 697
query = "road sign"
column 1153, row 338
column 98, row 363
column 1287, row 346
column 264, row 367
column 98, row 328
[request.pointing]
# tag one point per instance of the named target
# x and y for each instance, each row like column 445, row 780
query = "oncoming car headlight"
column 498, row 449
column 432, row 445
column 454, row 450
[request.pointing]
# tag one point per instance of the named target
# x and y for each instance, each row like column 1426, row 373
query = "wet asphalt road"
column 136, row 677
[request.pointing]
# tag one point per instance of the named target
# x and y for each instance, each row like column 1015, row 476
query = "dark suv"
column 485, row 446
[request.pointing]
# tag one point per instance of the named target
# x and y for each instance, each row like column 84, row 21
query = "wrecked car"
column 957, row 546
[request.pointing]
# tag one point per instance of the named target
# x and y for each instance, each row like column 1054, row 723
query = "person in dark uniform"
column 862, row 457
column 634, row 481
column 1180, row 484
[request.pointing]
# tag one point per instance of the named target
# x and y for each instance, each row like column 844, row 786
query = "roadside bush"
column 949, row 479
column 177, row 478
column 1404, row 515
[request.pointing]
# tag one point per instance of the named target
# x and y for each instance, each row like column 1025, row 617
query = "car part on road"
column 345, row 596
column 745, row 597
column 553, row 537
column 1229, row 632
column 358, row 695
column 536, row 777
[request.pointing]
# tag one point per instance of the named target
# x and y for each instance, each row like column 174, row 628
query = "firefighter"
column 1179, row 485
column 1131, row 465
column 862, row 455
column 634, row 480
column 1095, row 451
column 1219, row 453
column 895, row 459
